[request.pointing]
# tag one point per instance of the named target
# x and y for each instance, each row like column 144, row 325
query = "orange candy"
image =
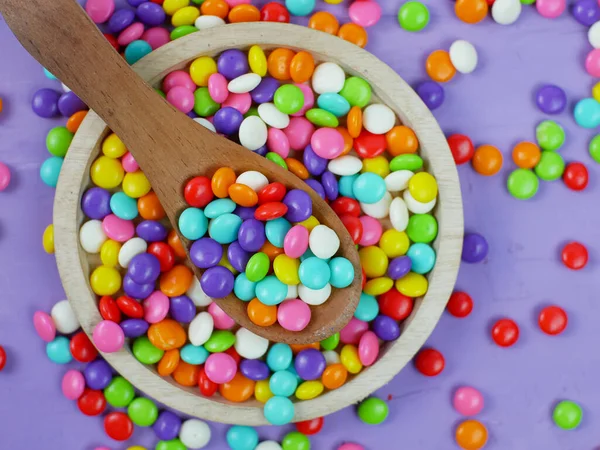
column 218, row 8
column 186, row 374
column 471, row 435
column 401, row 139
column 176, row 281
column 439, row 67
column 334, row 376
column 75, row 121
column 487, row 160
column 297, row 168
column 221, row 180
column 302, row 67
column 348, row 141
column 279, row 62
column 167, row 335
column 271, row 251
column 244, row 13
column 353, row 33
column 324, row 21
column 175, row 244
column 354, row 121
column 237, row 390
column 243, row 195
column 168, row 363
column 150, row 208
column 261, row 314
column 526, row 155
column 471, row 11
column 296, row 348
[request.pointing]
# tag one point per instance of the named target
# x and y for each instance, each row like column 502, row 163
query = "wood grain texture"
column 390, row 89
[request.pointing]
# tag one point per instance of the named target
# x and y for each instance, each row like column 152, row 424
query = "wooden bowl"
column 389, row 88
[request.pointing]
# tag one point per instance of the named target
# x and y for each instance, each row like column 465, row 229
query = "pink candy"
column 328, row 143
column 132, row 33
column 371, row 231
column 295, row 242
column 368, row 348
column 278, row 142
column 44, row 326
column 108, row 336
column 221, row 320
column 352, row 332
column 4, row 176
column 156, row 37
column 233, row 3
column 592, row 63
column 181, row 98
column 156, row 307
column 220, row 368
column 217, row 87
column 293, row 315
column 468, row 401
column 551, row 9
column 118, row 229
column 100, row 10
column 365, row 13
column 129, row 163
column 178, row 78
column 309, row 99
column 299, row 132
column 241, row 102
column 350, row 446
column 73, row 384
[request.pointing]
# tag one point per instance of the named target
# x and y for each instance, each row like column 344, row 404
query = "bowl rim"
column 393, row 91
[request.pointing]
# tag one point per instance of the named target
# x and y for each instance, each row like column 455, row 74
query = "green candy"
column 331, row 342
column 219, row 341
column 204, row 105
column 182, row 31
column 119, row 393
column 322, row 118
column 567, row 415
column 522, row 184
column 161, row 93
column 145, row 352
column 174, row 444
column 550, row 135
column 357, row 91
column 142, row 411
column 274, row 157
column 253, row 111
column 527, row 2
column 257, row 267
column 289, row 99
column 295, row 441
column 594, row 148
column 422, row 228
column 58, row 141
column 407, row 161
column 550, row 167
column 413, row 16
column 373, row 411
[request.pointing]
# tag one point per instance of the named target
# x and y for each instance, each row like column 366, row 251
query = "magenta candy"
column 293, row 315
column 44, row 326
column 221, row 320
column 352, row 332
column 156, row 37
column 156, row 307
column 278, row 142
column 117, row 229
column 4, row 176
column 132, row 33
column 309, row 99
column 241, row 102
column 328, row 143
column 368, row 348
column 299, row 132
column 551, row 9
column 220, row 368
column 217, row 87
column 295, row 242
column 372, row 231
column 181, row 98
column 364, row 13
column 129, row 163
column 178, row 78
column 73, row 384
column 100, row 10
column 468, row 401
column 592, row 63
column 350, row 446
column 108, row 336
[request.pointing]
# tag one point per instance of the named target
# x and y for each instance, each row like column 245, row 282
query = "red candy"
column 354, row 227
column 574, row 255
column 310, row 427
column 112, row 41
column 231, row 352
column 207, row 387
column 2, row 358
column 272, row 192
column 576, row 176
column 395, row 305
column 429, row 362
column 274, row 12
column 461, row 147
column 109, row 309
column 91, row 403
column 164, row 253
column 198, row 192
column 130, row 307
column 346, row 206
column 553, row 320
column 369, row 145
column 82, row 348
column 505, row 332
column 118, row 426
column 460, row 304
column 270, row 211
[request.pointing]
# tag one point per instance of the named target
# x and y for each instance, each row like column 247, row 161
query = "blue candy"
column 123, row 206
column 279, row 357
column 50, row 170
column 300, row 7
column 314, row 273
column 194, row 354
column 334, row 103
column 587, row 113
column 422, row 257
column 367, row 308
column 136, row 50
column 283, row 383
column 369, row 188
column 271, row 291
column 243, row 288
column 345, row 185
column 224, row 229
column 276, row 231
column 279, row 410
column 342, row 272
column 193, row 224
column 240, row 437
column 219, row 207
column 58, row 350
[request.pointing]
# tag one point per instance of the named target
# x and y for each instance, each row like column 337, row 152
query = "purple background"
column 522, row 274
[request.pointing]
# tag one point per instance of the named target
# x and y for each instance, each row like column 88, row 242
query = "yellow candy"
column 136, row 447
column 185, row 16
column 286, row 269
column 412, row 285
column 172, row 6
column 262, row 391
column 225, row 263
column 109, row 253
column 48, row 239
column 309, row 390
column 350, row 360
column 423, row 187
column 596, row 91
column 105, row 281
column 257, row 60
column 106, row 172
column 394, row 243
column 334, row 2
column 378, row 286
column 135, row 184
column 201, row 69
column 378, row 165
column 373, row 260
column 113, row 147
column 309, row 223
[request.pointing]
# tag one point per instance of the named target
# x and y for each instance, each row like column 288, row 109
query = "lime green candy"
column 161, row 93
column 142, row 411
column 373, row 411
column 550, row 135
column 528, row 2
column 145, row 352
column 219, row 341
column 174, row 444
column 58, row 141
column 204, row 105
column 295, row 441
column 567, row 415
column 550, row 167
column 119, row 393
column 182, row 31
column 253, row 111
column 274, row 157
column 331, row 342
column 422, row 228
column 407, row 161
column 289, row 99
column 257, row 267
column 522, row 184
column 594, row 148
column 322, row 118
column 357, row 91
column 413, row 16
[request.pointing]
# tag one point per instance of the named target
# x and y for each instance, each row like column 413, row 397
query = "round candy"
column 279, row 410
column 143, row 412
column 429, row 362
column 45, row 102
column 44, row 326
column 413, row 16
column 194, row 434
column 460, row 304
column 587, row 111
column 552, row 320
column 550, row 135
column 373, row 411
column 576, row 176
column 471, row 435
column 310, row 427
column 118, row 426
column 551, row 166
column 463, row 56
column 522, row 184
column 567, row 415
column 475, row 248
column 242, row 438
column 574, row 255
column 487, row 160
column 505, row 332
column 431, row 93
column 73, row 384
column 468, row 401
column 506, row 12
column 108, row 336
column 551, row 99
column 471, row 11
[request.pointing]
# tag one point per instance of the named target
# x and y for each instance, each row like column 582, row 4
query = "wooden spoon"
column 169, row 147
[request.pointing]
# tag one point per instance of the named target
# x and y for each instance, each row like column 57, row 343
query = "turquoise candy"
column 243, row 288
column 123, row 206
column 342, row 272
column 292, row 370
column 136, row 50
column 224, row 229
column 50, row 170
column 314, row 273
column 279, row 410
column 240, row 437
column 276, row 230
column 334, row 103
column 49, row 74
column 279, row 357
column 271, row 291
column 345, row 185
column 422, row 257
column 193, row 354
column 369, row 188
column 283, row 383
column 219, row 207
column 367, row 308
column 193, row 223
column 587, row 113
column 58, row 350
column 300, row 7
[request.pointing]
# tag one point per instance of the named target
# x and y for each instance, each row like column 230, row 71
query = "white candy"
column 64, row 317
column 268, row 445
column 594, row 35
column 206, row 22
column 253, row 133
column 249, row 345
column 323, row 242
column 272, row 116
column 194, row 434
column 506, row 12
column 415, row 206
column 378, row 119
column 314, row 297
column 65, row 87
column 253, row 179
column 244, row 83
column 328, row 77
column 92, row 236
column 292, row 291
column 205, row 123
column 463, row 56
column 398, row 181
column 399, row 214
column 379, row 210
column 131, row 248
column 345, row 165
column 201, row 328
column 331, row 357
column 197, row 295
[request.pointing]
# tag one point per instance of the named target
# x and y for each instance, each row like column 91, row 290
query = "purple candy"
column 299, row 205
column 262, row 151
column 431, row 93
column 310, row 364
column 97, row 374
column 217, row 282
column 136, row 290
column 586, row 12
column 475, row 248
column 45, row 103
column 144, row 268
column 313, row 162
column 251, row 235
column 120, row 20
column 245, row 212
column 206, row 253
column 232, row 63
column 386, row 328
column 69, row 104
column 151, row 14
column 95, row 203
column 134, row 327
column 316, row 186
column 237, row 256
column 228, row 120
column 151, row 231
column 182, row 309
column 551, row 99
column 167, row 425
column 399, row 267
column 330, row 184
column 136, row 3
column 254, row 369
column 265, row 91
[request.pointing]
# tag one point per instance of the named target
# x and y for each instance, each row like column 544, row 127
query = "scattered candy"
column 471, row 435
column 468, row 401
column 552, row 320
column 460, row 304
column 574, row 255
column 429, row 362
column 413, row 16
column 567, row 415
column 373, row 411
column 505, row 332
